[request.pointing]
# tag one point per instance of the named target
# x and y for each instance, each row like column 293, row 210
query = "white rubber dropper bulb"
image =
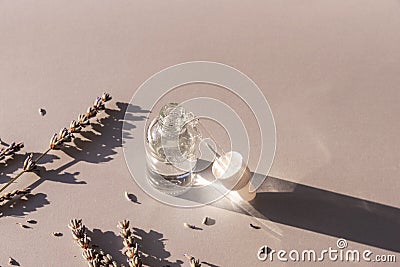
column 232, row 172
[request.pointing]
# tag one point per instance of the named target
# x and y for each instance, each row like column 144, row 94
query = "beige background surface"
column 329, row 69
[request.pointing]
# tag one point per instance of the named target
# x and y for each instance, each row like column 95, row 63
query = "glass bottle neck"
column 172, row 118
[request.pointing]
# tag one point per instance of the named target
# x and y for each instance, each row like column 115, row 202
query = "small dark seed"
column 189, row 226
column 23, row 225
column 11, row 261
column 255, row 226
column 57, row 234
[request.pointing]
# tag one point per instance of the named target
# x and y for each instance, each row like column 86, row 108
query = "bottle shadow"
column 151, row 246
column 327, row 212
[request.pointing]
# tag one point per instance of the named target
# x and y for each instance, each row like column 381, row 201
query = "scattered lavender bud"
column 23, row 225
column 42, row 111
column 57, row 234
column 255, row 226
column 189, row 226
column 127, row 196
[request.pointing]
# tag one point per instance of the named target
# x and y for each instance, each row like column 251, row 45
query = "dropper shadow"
column 316, row 210
column 209, row 264
column 329, row 213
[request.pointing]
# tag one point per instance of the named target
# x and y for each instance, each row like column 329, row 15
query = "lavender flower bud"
column 74, row 127
column 106, row 97
column 91, row 112
column 29, row 165
column 98, row 104
column 54, row 141
column 83, row 120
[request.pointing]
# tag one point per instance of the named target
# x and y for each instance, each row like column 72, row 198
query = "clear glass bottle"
column 171, row 149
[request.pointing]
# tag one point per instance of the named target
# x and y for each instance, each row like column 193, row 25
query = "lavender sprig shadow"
column 9, row 151
column 100, row 142
column 64, row 136
column 19, row 207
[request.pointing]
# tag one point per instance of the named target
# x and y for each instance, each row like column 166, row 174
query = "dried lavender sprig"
column 65, row 135
column 10, row 150
column 107, row 260
column 79, row 235
column 130, row 246
column 93, row 257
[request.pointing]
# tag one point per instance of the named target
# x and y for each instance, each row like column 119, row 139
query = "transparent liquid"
column 166, row 177
column 171, row 156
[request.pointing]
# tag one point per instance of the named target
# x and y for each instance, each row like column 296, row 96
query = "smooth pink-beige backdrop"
column 329, row 69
